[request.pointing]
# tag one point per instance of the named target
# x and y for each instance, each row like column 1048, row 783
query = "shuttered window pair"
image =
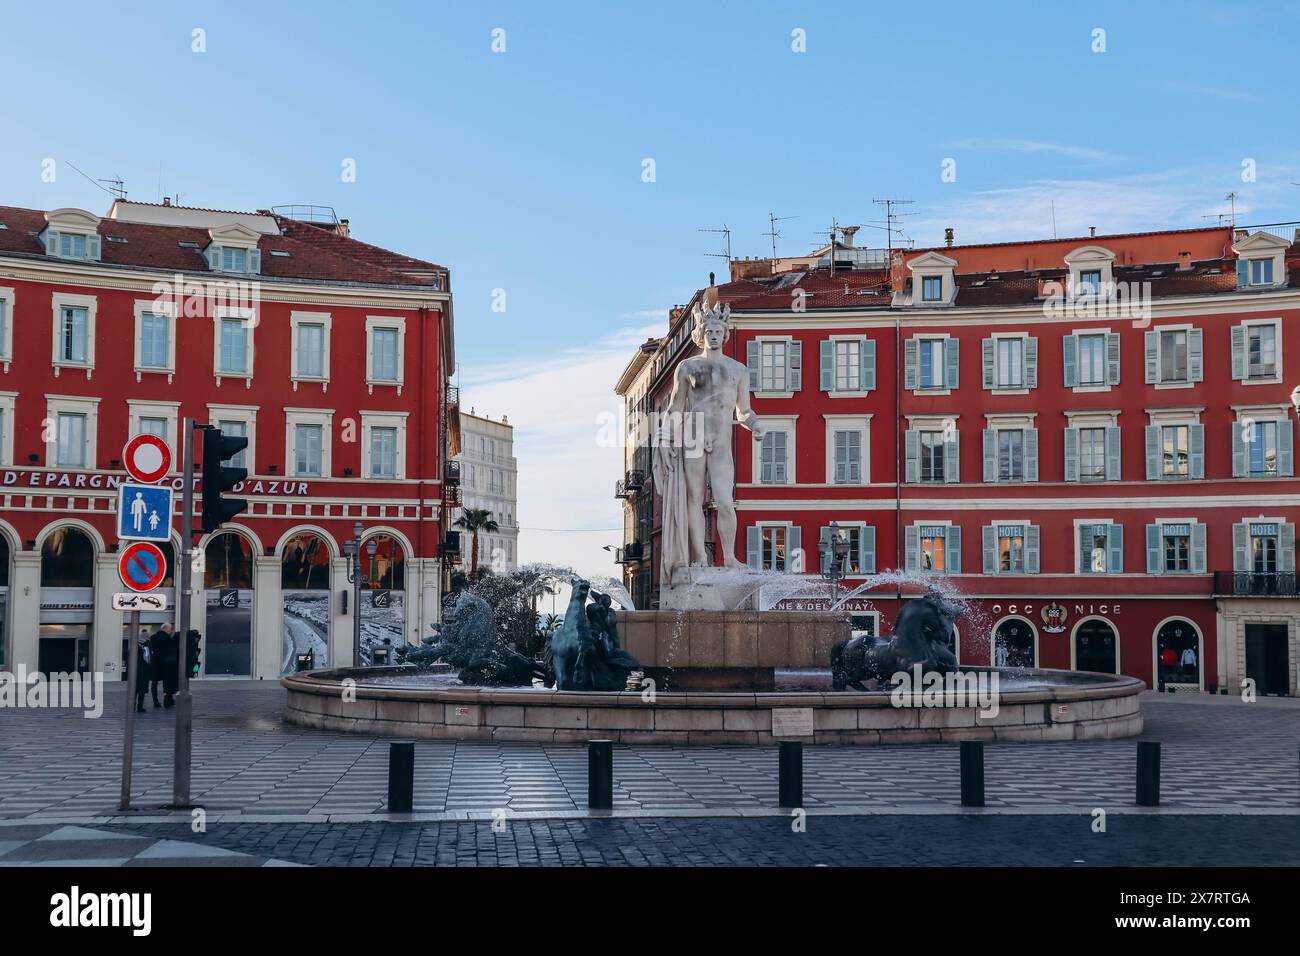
column 931, row 363
column 1101, row 548
column 857, row 547
column 1255, row 351
column 232, row 259
column 775, row 365
column 1174, row 356
column 1175, row 451
column 1174, row 548
column 68, row 245
column 935, row 548
column 774, row 548
column 931, row 455
column 1263, row 449
column 848, row 457
column 1010, row 454
column 848, row 365
column 1010, row 362
column 1010, row 548
column 1263, row 547
column 774, row 458
column 1092, row 453
column 1091, row 359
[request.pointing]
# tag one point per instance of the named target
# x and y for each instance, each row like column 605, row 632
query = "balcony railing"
column 452, row 496
column 630, row 485
column 452, row 475
column 632, row 551
column 453, row 394
column 1253, row 584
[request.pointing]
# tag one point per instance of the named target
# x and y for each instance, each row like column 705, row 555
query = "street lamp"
column 1295, row 399
column 833, row 549
column 356, row 577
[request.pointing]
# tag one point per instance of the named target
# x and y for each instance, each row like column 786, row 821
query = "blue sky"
column 522, row 170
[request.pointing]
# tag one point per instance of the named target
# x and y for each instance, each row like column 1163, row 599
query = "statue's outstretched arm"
column 748, row 417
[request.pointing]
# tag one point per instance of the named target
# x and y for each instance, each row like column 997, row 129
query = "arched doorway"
column 383, row 597
column 1014, row 643
column 67, row 601
column 305, row 593
column 150, row 621
column 1178, row 654
column 228, row 583
column 1096, row 647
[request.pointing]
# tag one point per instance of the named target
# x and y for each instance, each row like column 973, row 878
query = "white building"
column 488, row 479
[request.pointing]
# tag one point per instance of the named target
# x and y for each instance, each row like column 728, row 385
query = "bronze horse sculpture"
column 583, row 653
column 923, row 634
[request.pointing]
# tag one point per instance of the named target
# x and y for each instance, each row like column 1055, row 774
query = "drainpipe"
column 899, row 556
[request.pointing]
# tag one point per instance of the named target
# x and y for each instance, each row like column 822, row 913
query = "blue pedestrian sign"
column 144, row 512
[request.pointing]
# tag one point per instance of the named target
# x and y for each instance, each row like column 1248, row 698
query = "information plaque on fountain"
column 792, row 722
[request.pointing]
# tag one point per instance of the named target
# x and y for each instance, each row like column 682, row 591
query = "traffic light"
column 192, row 650
column 218, row 478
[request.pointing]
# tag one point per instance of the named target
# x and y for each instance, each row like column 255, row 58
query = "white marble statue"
column 710, row 391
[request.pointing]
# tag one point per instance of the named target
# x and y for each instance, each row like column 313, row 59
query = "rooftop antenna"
column 835, row 228
column 726, row 232
column 891, row 217
column 773, row 219
column 1220, row 216
column 1053, row 218
column 1232, row 198
column 116, row 187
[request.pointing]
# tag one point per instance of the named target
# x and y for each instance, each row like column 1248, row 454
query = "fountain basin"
column 396, row 701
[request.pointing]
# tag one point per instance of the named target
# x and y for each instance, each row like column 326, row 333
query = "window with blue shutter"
column 773, row 466
column 1101, row 548
column 848, row 457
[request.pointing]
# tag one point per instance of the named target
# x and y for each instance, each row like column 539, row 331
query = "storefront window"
column 1178, row 654
column 305, row 590
column 67, row 560
column 1013, row 644
column 229, row 560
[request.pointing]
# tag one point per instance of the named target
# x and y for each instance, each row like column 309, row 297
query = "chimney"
column 342, row 228
column 167, row 200
column 1184, row 261
column 712, row 280
column 948, row 236
column 1092, row 232
column 848, row 232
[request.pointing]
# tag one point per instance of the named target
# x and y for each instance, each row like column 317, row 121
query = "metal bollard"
column 972, row 773
column 600, row 774
column 790, row 774
column 1148, row 773
column 401, row 776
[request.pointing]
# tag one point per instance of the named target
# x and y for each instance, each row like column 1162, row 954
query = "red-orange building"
column 331, row 355
column 1092, row 438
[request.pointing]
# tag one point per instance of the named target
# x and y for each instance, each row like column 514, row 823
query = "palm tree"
column 475, row 520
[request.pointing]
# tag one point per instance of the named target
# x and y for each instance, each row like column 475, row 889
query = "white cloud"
column 1218, row 92
column 567, row 508
column 1037, row 146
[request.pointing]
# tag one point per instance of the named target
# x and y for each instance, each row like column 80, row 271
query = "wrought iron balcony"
column 630, row 485
column 632, row 551
column 453, row 394
column 451, row 474
column 1255, row 584
column 452, row 496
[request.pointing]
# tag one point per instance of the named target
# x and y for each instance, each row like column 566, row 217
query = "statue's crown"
column 705, row 313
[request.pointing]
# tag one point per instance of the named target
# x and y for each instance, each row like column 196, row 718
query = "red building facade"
column 1090, row 439
column 332, row 356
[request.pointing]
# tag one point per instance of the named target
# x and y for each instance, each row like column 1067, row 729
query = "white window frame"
column 942, row 337
column 1004, row 422
column 293, row 417
column 297, row 319
column 1191, row 537
column 787, row 527
column 836, row 340
column 853, row 524
column 920, row 546
column 166, row 309
column 170, row 411
column 395, row 420
column 1263, row 245
column 1022, row 388
column 250, row 318
column 247, row 414
column 1093, row 418
column 7, row 400
column 58, row 302
column 933, row 265
column 778, row 423
column 1276, row 377
column 1090, row 258
column 386, row 322
column 1186, row 328
column 848, row 423
column 1079, row 335
column 7, row 298
column 788, row 342
column 72, row 405
column 1174, row 417
column 1025, row 525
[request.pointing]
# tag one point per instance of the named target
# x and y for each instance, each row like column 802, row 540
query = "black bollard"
column 1148, row 773
column 790, row 774
column 972, row 773
column 401, row 776
column 600, row 774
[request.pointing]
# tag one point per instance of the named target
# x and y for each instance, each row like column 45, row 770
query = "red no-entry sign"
column 142, row 566
column 147, row 458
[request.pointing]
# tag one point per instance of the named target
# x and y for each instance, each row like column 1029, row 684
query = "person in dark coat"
column 165, row 650
column 143, row 654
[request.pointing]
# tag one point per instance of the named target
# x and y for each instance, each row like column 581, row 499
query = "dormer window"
column 932, row 289
column 1091, row 270
column 234, row 250
column 72, row 234
column 1261, row 261
column 932, row 281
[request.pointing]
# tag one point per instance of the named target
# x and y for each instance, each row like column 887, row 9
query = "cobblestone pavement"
column 912, row 840
column 1219, row 754
column 29, row 845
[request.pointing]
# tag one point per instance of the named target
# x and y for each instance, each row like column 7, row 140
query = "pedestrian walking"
column 144, row 656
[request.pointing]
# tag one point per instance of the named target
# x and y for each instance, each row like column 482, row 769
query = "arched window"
column 1013, row 643
column 386, row 570
column 1178, row 653
column 68, row 559
column 305, row 563
column 229, row 560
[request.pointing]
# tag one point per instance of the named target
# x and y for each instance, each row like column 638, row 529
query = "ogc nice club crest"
column 1054, row 616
